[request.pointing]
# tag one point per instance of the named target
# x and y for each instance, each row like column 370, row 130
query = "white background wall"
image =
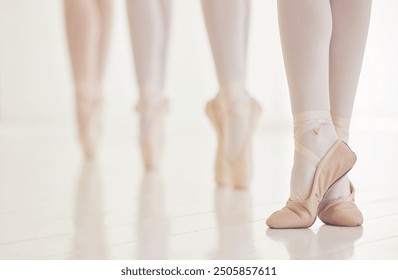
column 35, row 79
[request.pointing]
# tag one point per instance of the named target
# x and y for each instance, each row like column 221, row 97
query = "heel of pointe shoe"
column 302, row 214
column 235, row 172
column 341, row 212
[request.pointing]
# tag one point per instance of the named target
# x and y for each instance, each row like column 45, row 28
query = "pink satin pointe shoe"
column 302, row 214
column 89, row 109
column 233, row 169
column 341, row 212
column 151, row 131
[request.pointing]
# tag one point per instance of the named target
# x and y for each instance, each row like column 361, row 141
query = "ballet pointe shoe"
column 302, row 214
column 151, row 131
column 236, row 170
column 88, row 111
column 341, row 212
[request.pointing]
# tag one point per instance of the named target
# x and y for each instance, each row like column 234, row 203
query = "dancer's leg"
column 149, row 27
column 106, row 17
column 227, row 23
column 83, row 29
column 350, row 29
column 306, row 32
column 305, row 29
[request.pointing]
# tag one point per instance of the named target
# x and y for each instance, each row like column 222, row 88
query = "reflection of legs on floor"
column 89, row 239
column 150, row 46
column 329, row 242
column 88, row 27
column 153, row 228
column 235, row 233
column 233, row 112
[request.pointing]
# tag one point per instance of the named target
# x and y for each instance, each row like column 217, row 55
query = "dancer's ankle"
column 314, row 135
column 232, row 93
column 151, row 95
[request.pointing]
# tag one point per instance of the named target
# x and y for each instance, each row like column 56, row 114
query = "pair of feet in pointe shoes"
column 234, row 124
column 89, row 113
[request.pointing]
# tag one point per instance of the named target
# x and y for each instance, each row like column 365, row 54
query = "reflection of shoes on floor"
column 337, row 243
column 90, row 235
column 233, row 168
column 298, row 242
column 341, row 211
column 151, row 130
column 290, row 235
column 89, row 122
column 153, row 226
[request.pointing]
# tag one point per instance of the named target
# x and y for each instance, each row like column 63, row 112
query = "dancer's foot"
column 338, row 207
column 320, row 160
column 151, row 136
column 89, row 118
column 234, row 121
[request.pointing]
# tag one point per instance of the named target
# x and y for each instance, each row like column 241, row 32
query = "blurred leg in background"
column 88, row 26
column 150, row 27
column 233, row 112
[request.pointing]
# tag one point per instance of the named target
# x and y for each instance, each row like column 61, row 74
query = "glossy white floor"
column 54, row 206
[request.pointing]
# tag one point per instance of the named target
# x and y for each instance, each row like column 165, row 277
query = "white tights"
column 88, row 25
column 149, row 28
column 227, row 23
